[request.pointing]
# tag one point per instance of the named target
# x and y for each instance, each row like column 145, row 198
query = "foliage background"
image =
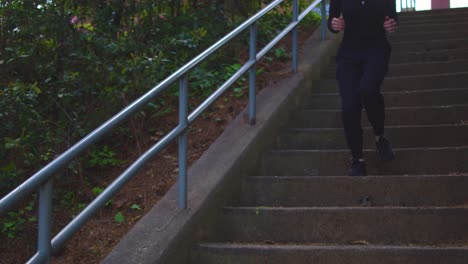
column 67, row 66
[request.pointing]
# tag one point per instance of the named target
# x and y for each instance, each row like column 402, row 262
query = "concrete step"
column 438, row 55
column 408, row 161
column 433, row 19
column 417, row 68
column 300, row 208
column 401, row 137
column 424, row 34
column 343, row 225
column 428, row 29
column 430, row 26
column 397, row 99
column 423, row 56
column 395, row 116
column 455, row 13
column 428, row 45
column 405, row 83
column 328, row 254
column 433, row 12
column 287, row 191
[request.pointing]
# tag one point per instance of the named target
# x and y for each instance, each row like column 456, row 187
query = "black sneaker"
column 384, row 149
column 358, row 168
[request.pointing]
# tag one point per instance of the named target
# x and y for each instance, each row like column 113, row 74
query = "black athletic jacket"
column 364, row 23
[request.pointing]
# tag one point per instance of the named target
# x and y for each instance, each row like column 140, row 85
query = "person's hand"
column 390, row 25
column 338, row 24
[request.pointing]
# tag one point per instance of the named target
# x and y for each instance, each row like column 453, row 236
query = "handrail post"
column 183, row 122
column 252, row 74
column 295, row 18
column 324, row 19
column 45, row 220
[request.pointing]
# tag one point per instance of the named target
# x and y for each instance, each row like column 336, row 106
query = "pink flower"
column 74, row 20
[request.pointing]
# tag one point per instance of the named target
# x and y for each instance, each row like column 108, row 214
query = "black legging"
column 360, row 77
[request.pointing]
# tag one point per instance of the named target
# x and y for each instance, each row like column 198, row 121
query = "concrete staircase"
column 300, row 209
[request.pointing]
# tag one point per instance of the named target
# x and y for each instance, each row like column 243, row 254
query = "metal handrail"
column 410, row 5
column 42, row 180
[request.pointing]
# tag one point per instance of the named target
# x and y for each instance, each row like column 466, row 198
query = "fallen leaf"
column 359, row 242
